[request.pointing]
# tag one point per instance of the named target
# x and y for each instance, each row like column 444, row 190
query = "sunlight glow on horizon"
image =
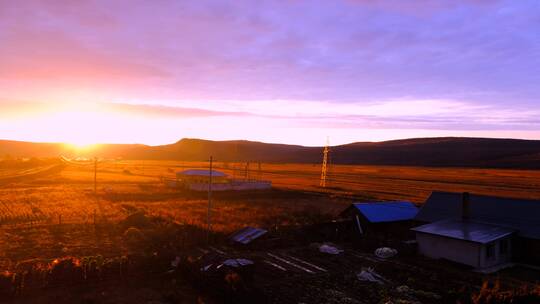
column 87, row 72
column 81, row 146
column 86, row 125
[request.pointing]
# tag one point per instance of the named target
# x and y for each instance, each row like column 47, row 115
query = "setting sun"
column 82, row 146
column 306, row 151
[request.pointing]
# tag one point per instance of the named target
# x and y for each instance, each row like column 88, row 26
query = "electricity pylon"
column 324, row 170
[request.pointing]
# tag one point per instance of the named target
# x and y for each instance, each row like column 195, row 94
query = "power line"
column 209, row 203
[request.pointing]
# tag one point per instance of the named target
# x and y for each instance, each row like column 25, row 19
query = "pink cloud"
column 30, row 54
column 159, row 111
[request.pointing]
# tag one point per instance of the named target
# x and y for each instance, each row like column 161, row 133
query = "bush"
column 493, row 294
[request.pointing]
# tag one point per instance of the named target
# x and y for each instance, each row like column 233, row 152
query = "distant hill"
column 445, row 152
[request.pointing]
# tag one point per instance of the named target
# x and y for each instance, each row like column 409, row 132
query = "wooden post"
column 95, row 175
column 209, row 203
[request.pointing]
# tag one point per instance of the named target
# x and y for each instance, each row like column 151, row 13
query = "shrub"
column 493, row 294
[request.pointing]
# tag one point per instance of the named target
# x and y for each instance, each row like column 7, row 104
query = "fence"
column 232, row 186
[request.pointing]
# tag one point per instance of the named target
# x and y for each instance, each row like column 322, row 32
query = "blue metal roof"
column 379, row 212
column 466, row 230
column 200, row 172
column 247, row 234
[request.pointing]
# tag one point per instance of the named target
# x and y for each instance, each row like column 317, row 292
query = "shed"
column 200, row 172
column 382, row 217
column 520, row 215
column 200, row 176
column 467, row 242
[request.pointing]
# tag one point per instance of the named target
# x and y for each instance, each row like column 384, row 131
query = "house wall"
column 201, row 179
column 468, row 253
column 498, row 257
column 384, row 231
column 437, row 247
column 387, row 231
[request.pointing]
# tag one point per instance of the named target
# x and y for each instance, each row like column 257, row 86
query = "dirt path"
column 48, row 170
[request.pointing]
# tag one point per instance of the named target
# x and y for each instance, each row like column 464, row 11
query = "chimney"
column 465, row 206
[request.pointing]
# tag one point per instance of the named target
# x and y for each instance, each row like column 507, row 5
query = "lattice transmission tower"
column 324, row 170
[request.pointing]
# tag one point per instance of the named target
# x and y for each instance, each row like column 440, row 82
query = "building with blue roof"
column 383, row 212
column 384, row 219
column 200, row 173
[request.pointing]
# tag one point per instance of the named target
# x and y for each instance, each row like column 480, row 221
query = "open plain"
column 50, row 214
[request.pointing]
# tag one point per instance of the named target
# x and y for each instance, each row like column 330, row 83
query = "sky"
column 295, row 72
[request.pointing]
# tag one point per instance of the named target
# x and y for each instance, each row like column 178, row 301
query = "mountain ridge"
column 432, row 151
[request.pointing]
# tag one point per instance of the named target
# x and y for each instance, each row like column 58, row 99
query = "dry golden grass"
column 32, row 208
column 380, row 182
column 494, row 293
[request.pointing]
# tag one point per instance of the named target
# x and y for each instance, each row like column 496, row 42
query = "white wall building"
column 475, row 244
column 457, row 222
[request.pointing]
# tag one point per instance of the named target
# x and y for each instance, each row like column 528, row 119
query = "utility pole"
column 324, row 170
column 95, row 175
column 209, row 203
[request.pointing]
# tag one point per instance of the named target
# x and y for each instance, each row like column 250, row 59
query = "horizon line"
column 263, row 142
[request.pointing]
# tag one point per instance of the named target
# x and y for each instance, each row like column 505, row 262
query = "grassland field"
column 32, row 204
column 51, row 211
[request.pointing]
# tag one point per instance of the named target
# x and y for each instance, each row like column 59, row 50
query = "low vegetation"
column 55, row 229
column 493, row 293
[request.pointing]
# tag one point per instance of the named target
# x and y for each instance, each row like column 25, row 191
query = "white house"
column 201, row 176
column 479, row 230
column 199, row 180
column 475, row 244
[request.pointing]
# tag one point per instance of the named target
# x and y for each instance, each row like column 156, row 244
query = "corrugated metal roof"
column 378, row 212
column 466, row 230
column 248, row 234
column 518, row 214
column 199, row 172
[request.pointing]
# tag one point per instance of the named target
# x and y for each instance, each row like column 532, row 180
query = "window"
column 490, row 251
column 503, row 246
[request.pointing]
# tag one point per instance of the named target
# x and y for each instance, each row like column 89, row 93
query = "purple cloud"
column 162, row 54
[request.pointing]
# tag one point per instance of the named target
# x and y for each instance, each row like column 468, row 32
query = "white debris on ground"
column 236, row 263
column 404, row 289
column 385, row 252
column 205, row 268
column 325, row 248
column 175, row 262
column 369, row 275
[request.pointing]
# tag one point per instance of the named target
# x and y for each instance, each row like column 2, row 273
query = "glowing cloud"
column 280, row 71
